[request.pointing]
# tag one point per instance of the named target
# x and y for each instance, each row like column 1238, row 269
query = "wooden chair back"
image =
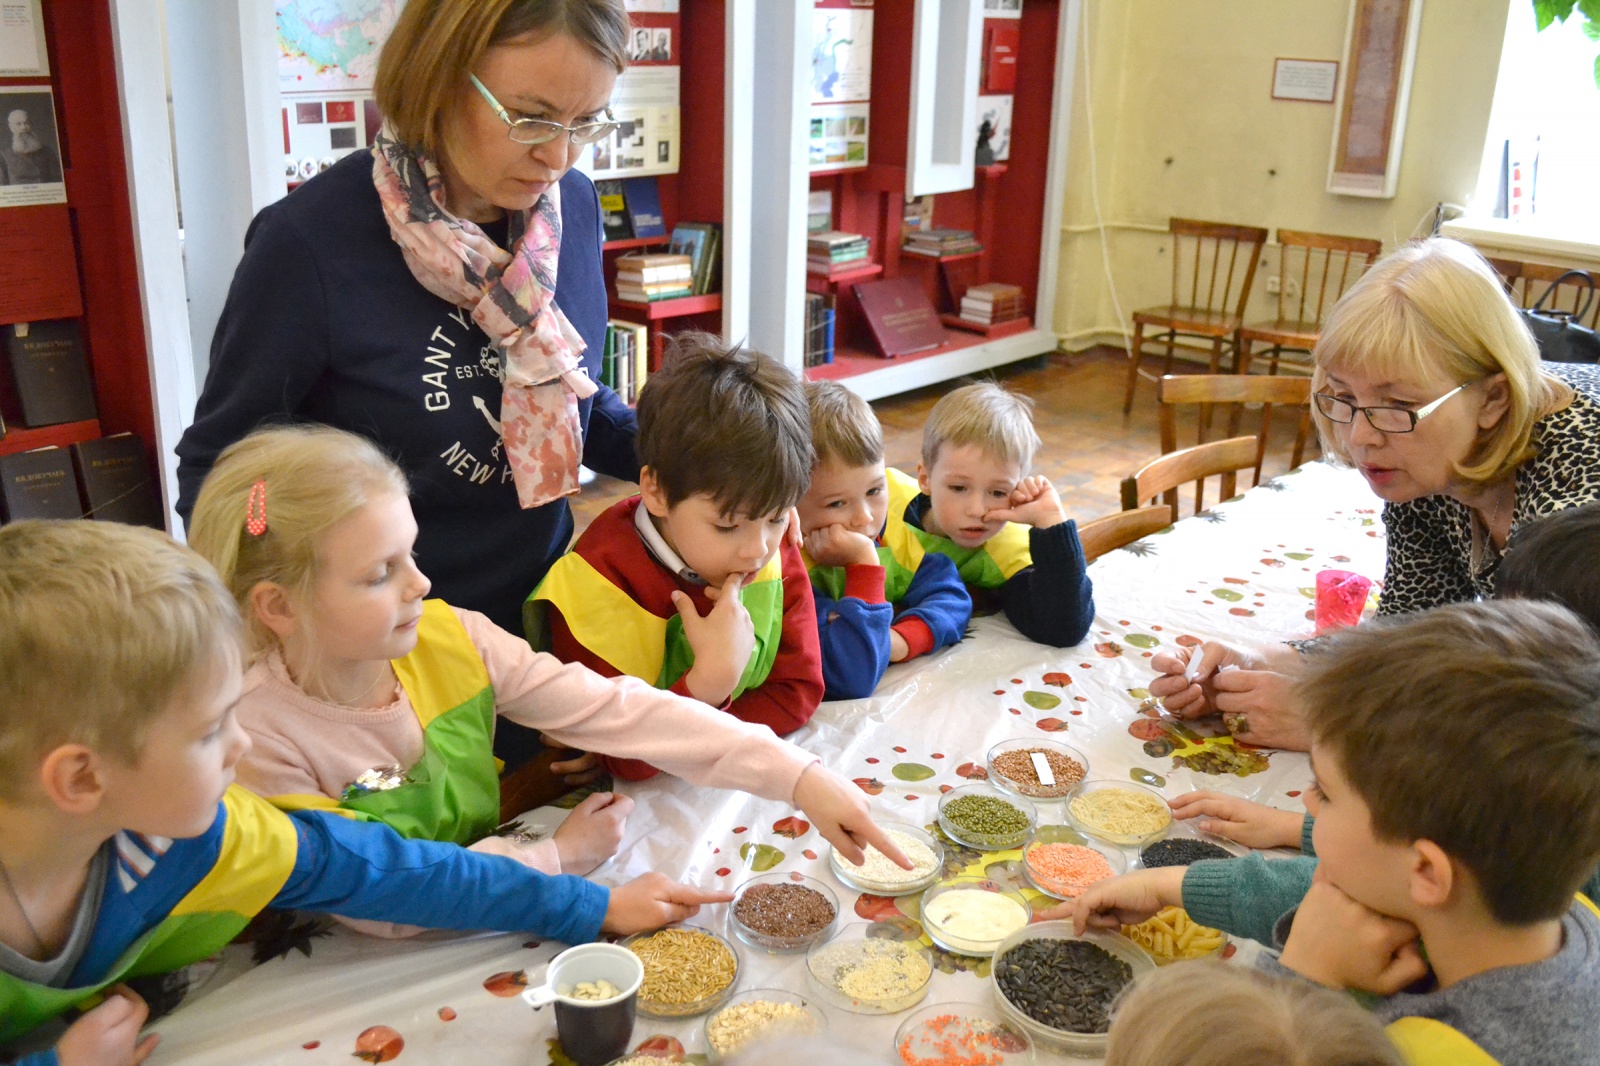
column 1235, row 391
column 1328, row 264
column 1163, row 476
column 1104, row 535
column 1214, row 264
column 1526, row 282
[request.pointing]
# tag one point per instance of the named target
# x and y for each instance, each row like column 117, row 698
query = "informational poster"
column 22, row 48
column 1305, row 79
column 30, row 152
column 1380, row 50
column 841, row 83
column 327, row 62
column 996, row 111
column 647, row 101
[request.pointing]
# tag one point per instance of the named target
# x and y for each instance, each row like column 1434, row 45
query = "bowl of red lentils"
column 784, row 912
column 1066, row 870
column 956, row 1034
column 1015, row 766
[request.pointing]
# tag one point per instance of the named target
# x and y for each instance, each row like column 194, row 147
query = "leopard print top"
column 1430, row 539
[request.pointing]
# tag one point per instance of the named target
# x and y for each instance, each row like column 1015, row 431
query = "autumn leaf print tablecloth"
column 1244, row 570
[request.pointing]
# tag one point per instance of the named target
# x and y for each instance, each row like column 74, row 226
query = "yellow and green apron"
column 610, row 623
column 253, row 862
column 452, row 793
column 988, row 566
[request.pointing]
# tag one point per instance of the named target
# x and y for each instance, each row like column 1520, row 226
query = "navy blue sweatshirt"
column 325, row 323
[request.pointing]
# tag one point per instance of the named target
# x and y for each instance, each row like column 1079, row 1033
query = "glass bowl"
column 661, row 1008
column 778, row 942
column 940, row 1032
column 815, row 1024
column 1002, row 918
column 986, row 841
column 1157, row 950
column 831, row 966
column 855, row 878
column 1029, row 785
column 1084, row 1045
column 1187, row 831
column 1061, row 890
column 1122, row 839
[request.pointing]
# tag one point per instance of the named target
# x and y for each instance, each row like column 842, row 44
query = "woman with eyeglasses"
column 1427, row 381
column 443, row 294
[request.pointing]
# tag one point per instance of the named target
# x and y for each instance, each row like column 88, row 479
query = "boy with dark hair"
column 874, row 605
column 125, row 850
column 1457, row 758
column 691, row 585
column 1556, row 558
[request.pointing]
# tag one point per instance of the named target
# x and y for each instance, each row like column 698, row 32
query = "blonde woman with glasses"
column 1428, row 383
column 442, row 294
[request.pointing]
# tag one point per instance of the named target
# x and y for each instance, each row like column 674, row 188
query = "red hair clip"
column 255, row 509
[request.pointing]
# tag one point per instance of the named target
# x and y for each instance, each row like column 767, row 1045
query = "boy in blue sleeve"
column 124, row 849
column 875, row 604
column 1004, row 529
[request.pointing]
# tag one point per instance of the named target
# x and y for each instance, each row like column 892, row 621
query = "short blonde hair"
column 1217, row 1014
column 986, row 414
column 435, row 44
column 314, row 476
column 1436, row 307
column 101, row 626
column 843, row 425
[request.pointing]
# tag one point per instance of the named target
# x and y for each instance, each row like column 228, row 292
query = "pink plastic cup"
column 1341, row 597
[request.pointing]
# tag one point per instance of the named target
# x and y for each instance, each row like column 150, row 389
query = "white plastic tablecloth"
column 1243, row 571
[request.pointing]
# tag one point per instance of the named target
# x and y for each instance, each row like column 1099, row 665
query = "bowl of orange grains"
column 956, row 1034
column 1064, row 868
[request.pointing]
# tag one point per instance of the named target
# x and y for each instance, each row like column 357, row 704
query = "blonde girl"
column 365, row 696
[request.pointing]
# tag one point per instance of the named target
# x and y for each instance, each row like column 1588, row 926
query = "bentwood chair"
column 1213, row 266
column 1161, row 477
column 1328, row 265
column 1104, row 535
column 1526, row 282
column 1235, row 392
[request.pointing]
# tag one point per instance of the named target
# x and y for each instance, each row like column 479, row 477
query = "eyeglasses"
column 542, row 131
column 1382, row 419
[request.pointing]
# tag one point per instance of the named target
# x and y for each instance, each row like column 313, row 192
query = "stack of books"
column 819, row 329
column 626, row 362
column 835, row 252
column 941, row 242
column 702, row 243
column 647, row 278
column 986, row 305
column 113, row 475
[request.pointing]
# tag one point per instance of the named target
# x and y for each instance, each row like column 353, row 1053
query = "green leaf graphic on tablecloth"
column 912, row 771
column 1231, row 595
column 1298, row 557
column 1146, row 777
column 1139, row 693
column 759, row 857
column 1308, row 591
column 1041, row 701
column 1142, row 640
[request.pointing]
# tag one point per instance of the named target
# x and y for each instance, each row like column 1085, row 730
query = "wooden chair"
column 1104, row 535
column 1213, row 266
column 1328, row 265
column 1526, row 282
column 1235, row 391
column 1163, row 476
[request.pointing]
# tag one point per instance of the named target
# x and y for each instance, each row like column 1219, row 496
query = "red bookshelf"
column 632, row 243
column 18, row 439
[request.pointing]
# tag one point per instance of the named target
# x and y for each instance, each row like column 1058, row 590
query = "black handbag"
column 1560, row 336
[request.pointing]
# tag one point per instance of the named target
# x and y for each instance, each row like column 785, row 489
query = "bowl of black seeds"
column 785, row 912
column 1059, row 987
column 1186, row 851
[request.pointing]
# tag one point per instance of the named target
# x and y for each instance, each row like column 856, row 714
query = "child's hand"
column 1126, row 900
column 837, row 546
column 899, row 650
column 839, row 811
column 1033, row 503
column 591, row 832
column 651, row 901
column 1338, row 942
column 108, row 1035
column 721, row 641
column 583, row 768
column 1255, row 825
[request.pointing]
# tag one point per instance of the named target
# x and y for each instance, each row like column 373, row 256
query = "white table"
column 1242, row 571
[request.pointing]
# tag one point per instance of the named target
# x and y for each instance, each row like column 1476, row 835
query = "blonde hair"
column 1436, row 308
column 314, row 476
column 101, row 626
column 986, row 414
column 435, row 44
column 843, row 425
column 1217, row 1014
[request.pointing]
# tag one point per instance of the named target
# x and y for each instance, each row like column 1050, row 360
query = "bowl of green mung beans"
column 983, row 817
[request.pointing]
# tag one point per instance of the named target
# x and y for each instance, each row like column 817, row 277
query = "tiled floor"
column 1089, row 446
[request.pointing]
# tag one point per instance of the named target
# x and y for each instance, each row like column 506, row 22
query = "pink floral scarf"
column 512, row 298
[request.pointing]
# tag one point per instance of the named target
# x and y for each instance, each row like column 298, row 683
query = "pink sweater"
column 302, row 745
